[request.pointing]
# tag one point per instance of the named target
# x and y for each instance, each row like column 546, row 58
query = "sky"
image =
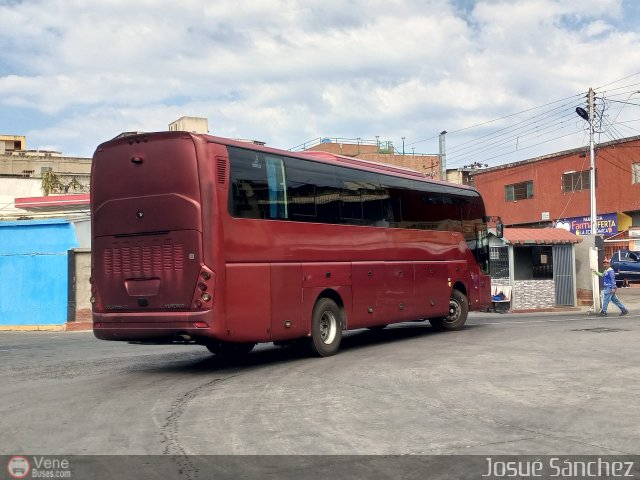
column 503, row 78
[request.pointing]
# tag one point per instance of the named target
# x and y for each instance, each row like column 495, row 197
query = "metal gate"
column 563, row 275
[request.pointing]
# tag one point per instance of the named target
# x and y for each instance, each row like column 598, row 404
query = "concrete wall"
column 34, row 278
column 12, row 188
column 81, row 292
column 83, row 232
column 16, row 165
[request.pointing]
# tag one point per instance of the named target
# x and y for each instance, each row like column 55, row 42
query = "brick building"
column 554, row 191
column 376, row 151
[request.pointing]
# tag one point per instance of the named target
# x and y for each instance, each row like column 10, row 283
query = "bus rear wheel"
column 458, row 311
column 326, row 328
column 229, row 349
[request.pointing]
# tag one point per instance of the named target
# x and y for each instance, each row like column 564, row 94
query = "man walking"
column 609, row 292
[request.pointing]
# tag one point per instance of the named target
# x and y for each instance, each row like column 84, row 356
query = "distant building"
column 190, row 124
column 375, row 151
column 554, row 191
column 12, row 143
column 27, row 174
column 17, row 161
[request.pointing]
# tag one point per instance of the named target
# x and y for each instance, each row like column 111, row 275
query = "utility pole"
column 592, row 157
column 443, row 156
column 593, row 258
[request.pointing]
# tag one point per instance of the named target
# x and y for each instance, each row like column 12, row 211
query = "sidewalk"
column 630, row 297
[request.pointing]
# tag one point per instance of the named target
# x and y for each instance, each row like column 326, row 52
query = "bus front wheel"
column 326, row 328
column 458, row 311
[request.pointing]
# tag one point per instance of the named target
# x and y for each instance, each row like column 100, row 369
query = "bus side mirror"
column 499, row 229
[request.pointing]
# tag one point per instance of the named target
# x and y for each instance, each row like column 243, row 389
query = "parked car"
column 626, row 265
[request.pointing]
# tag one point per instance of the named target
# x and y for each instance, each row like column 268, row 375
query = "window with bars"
column 518, row 191
column 499, row 262
column 576, row 181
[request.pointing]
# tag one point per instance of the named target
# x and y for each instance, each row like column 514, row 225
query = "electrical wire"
column 545, row 126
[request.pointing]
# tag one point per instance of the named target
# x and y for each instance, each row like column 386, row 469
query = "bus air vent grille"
column 143, row 259
column 222, row 170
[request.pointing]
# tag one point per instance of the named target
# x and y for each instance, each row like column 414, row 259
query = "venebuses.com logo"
column 38, row 467
column 18, row 467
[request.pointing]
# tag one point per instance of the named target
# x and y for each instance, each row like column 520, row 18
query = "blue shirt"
column 609, row 278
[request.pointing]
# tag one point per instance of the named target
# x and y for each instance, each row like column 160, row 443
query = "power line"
column 496, row 133
column 537, row 129
column 495, row 120
column 533, row 132
column 616, row 81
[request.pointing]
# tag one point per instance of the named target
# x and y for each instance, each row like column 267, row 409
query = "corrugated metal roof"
column 539, row 236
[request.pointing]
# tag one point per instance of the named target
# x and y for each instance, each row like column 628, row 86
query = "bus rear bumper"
column 161, row 327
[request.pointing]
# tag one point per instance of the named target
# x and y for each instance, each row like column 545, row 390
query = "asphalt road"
column 506, row 384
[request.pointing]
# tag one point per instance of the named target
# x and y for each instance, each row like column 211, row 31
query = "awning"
column 54, row 202
column 538, row 236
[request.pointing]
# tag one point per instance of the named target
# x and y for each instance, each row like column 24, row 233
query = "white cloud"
column 286, row 71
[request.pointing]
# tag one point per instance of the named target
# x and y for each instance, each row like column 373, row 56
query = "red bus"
column 224, row 243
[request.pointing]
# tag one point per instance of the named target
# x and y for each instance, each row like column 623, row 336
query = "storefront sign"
column 607, row 224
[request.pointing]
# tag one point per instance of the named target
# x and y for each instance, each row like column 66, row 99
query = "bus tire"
column 458, row 311
column 326, row 328
column 229, row 349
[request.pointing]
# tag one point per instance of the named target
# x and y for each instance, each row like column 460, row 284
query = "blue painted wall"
column 34, row 271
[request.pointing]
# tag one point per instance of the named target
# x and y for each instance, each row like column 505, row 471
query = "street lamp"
column 402, row 145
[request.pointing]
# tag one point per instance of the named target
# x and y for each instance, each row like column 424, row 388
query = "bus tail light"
column 94, row 298
column 200, row 325
column 203, row 293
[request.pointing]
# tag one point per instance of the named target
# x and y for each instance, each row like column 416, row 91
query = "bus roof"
column 324, row 157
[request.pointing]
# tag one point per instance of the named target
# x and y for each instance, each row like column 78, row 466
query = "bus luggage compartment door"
column 369, row 288
column 248, row 302
column 286, row 301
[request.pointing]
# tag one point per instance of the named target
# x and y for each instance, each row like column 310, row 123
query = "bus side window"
column 312, row 191
column 248, row 188
column 245, row 201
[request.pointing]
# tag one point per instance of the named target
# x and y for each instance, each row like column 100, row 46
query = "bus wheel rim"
column 454, row 312
column 328, row 328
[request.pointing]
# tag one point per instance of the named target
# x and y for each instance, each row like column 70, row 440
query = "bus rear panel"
column 149, row 278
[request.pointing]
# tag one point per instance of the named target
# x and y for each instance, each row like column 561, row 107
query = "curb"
column 69, row 327
column 79, row 326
